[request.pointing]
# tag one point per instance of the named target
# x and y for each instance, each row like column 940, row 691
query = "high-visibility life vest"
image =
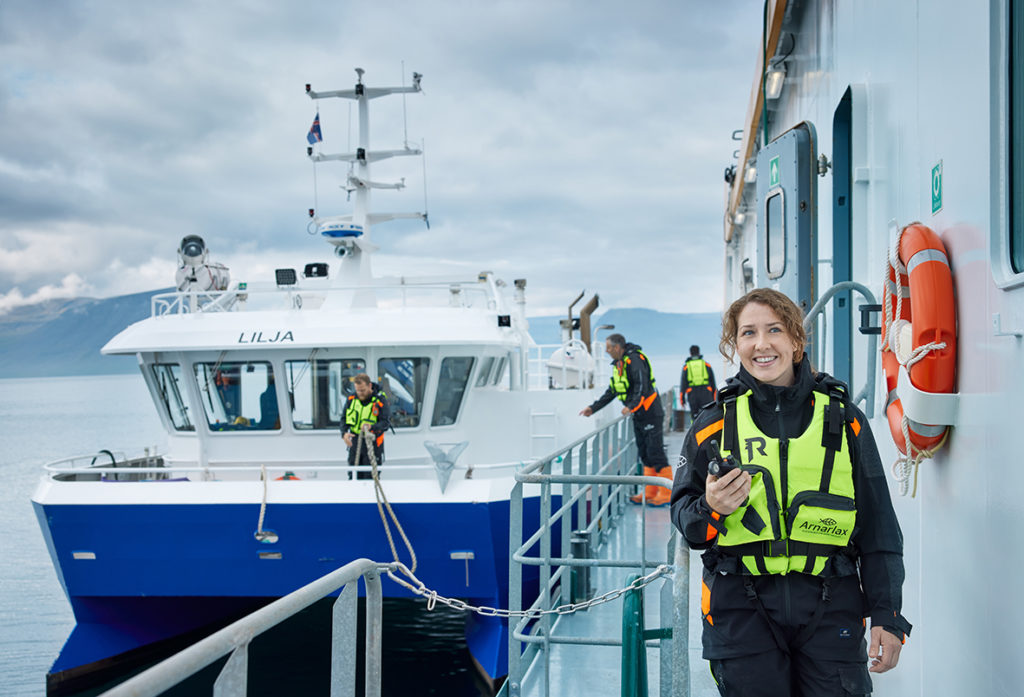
column 357, row 414
column 696, row 372
column 802, row 506
column 620, row 381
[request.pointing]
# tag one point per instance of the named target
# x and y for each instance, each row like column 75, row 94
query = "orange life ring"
column 928, row 313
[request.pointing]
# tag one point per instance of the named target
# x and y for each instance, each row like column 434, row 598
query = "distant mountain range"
column 64, row 337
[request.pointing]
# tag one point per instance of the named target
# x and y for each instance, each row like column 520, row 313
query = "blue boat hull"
column 140, row 576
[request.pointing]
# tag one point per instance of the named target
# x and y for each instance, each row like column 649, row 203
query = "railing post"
column 566, row 520
column 343, row 641
column 581, row 505
column 231, row 682
column 681, row 617
column 600, row 458
column 634, row 652
column 374, row 625
column 603, row 439
column 545, row 569
column 515, row 587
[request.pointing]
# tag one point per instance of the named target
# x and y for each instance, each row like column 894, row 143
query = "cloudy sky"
column 578, row 144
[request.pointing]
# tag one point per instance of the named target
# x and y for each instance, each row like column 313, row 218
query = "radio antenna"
column 405, row 122
column 426, row 209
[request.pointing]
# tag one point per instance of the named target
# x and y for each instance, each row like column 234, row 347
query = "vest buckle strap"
column 782, row 548
column 763, row 549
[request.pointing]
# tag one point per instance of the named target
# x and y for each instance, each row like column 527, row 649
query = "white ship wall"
column 933, row 84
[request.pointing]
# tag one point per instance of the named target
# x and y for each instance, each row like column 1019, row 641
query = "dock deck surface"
column 587, row 671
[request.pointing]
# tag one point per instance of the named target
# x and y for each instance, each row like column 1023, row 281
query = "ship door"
column 849, row 174
column 786, row 221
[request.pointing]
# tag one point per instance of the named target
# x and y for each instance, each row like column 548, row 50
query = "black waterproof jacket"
column 877, row 539
column 638, row 370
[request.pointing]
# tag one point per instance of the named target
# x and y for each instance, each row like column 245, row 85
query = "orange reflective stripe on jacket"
column 646, row 402
column 711, row 528
column 707, row 431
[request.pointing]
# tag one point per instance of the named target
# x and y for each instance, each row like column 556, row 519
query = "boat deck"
column 587, row 670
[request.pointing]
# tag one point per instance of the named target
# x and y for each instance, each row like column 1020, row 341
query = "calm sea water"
column 50, row 418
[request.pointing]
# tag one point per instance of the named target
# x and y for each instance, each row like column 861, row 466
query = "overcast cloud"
column 577, row 144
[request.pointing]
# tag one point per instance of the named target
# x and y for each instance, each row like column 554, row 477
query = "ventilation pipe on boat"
column 520, row 364
column 585, row 313
column 568, row 325
column 520, row 284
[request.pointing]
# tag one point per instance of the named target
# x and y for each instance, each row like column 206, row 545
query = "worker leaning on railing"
column 633, row 382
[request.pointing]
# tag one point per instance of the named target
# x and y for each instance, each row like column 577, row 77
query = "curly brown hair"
column 791, row 315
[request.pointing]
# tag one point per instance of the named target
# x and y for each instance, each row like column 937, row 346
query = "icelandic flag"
column 314, row 135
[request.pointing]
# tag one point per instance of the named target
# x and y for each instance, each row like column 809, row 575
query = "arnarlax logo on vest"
column 824, row 526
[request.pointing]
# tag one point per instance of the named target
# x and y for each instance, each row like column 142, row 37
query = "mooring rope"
column 365, row 438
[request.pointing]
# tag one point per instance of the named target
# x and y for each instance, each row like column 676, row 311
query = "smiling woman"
column 766, row 330
column 788, row 576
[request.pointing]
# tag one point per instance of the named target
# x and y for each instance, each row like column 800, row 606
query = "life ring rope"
column 896, row 286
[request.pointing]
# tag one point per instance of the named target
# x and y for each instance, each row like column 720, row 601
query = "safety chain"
column 906, row 465
column 433, row 597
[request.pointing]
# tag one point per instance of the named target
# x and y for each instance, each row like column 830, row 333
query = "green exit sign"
column 773, row 172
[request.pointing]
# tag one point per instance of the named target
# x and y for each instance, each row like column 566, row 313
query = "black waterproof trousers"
column 697, row 398
column 772, row 636
column 649, row 431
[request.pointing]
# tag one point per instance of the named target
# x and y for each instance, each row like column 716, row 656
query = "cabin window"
column 1016, row 137
column 451, row 388
column 500, row 371
column 775, row 237
column 404, row 381
column 318, row 390
column 239, row 396
column 484, row 373
column 167, row 377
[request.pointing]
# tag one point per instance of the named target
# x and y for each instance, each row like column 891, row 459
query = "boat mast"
column 350, row 234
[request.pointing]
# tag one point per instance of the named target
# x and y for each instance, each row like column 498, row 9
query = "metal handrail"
column 168, row 469
column 867, row 393
column 235, row 638
column 597, row 466
column 77, row 464
column 186, row 302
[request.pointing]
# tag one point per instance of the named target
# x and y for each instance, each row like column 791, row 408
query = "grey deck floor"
column 588, row 671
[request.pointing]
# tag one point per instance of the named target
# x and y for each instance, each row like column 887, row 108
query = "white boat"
column 251, row 497
column 879, row 114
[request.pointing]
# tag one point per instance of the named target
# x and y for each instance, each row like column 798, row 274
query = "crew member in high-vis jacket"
column 697, row 382
column 366, row 410
column 633, row 383
column 802, row 542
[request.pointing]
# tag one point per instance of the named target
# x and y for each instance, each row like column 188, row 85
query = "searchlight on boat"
column 195, row 272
